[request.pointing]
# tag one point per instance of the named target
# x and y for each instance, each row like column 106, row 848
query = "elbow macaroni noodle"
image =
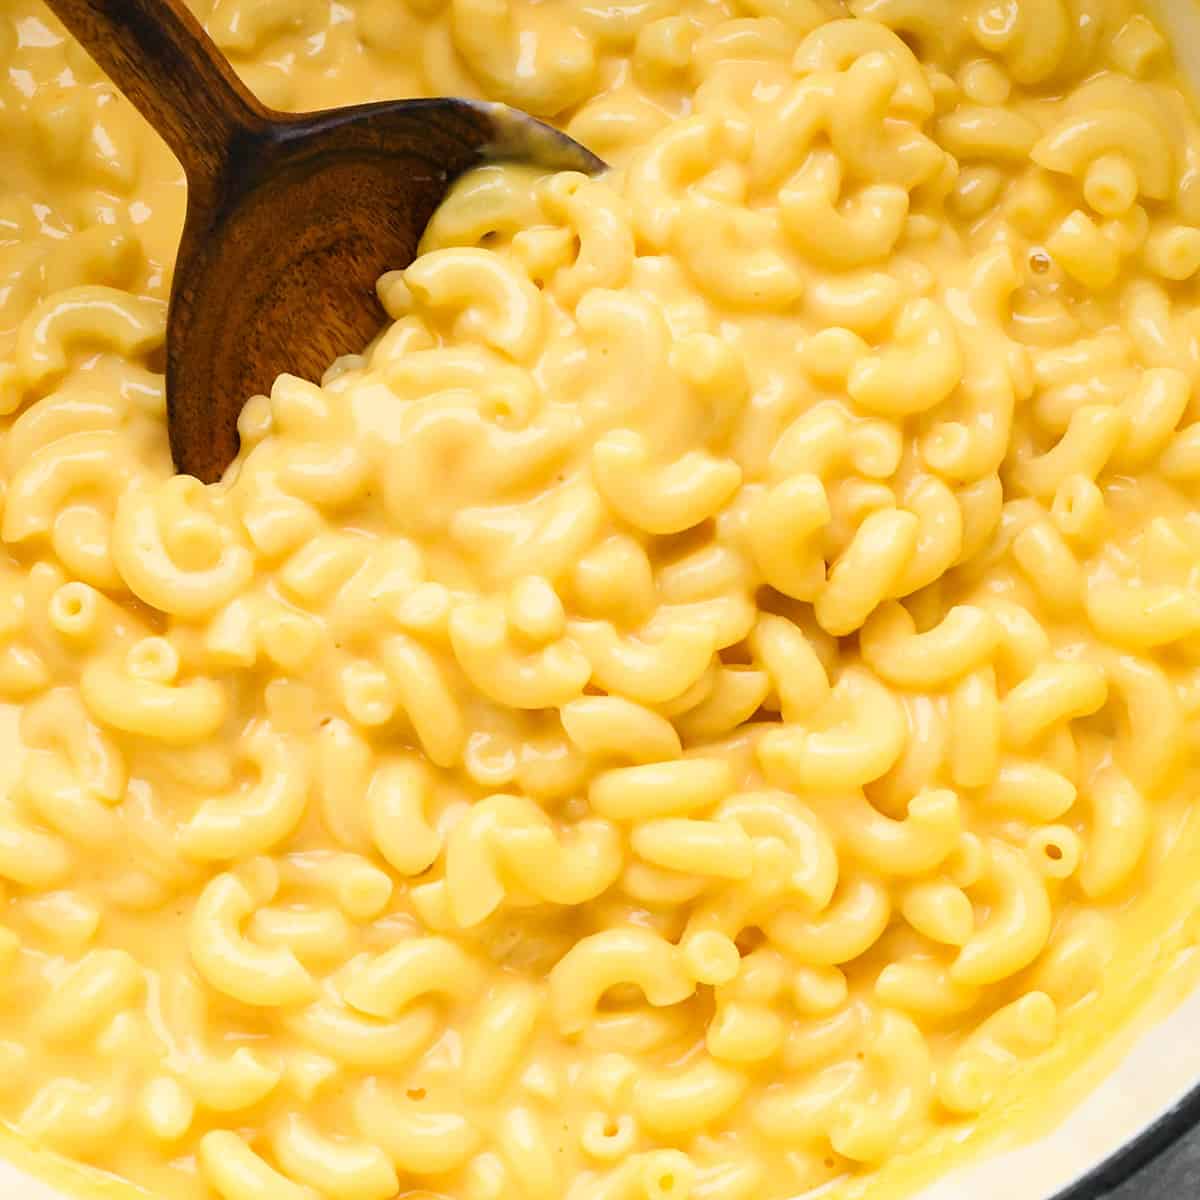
column 697, row 709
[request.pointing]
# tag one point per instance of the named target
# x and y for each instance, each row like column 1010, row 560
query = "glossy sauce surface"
column 703, row 708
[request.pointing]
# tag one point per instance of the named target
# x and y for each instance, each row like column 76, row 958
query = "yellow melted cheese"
column 704, row 708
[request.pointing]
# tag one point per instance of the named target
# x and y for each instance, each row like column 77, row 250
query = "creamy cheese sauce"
column 705, row 707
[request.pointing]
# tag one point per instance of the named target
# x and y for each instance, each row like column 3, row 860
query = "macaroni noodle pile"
column 689, row 714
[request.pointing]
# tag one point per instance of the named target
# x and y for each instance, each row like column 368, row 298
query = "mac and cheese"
column 699, row 708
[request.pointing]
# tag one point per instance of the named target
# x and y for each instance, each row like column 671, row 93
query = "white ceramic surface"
column 14, row 1185
column 1159, row 1072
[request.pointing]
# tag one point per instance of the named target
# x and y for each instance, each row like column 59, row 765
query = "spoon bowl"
column 291, row 219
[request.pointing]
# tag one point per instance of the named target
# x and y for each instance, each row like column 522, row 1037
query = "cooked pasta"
column 694, row 710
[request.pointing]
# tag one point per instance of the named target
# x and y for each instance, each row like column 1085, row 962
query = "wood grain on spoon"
column 291, row 219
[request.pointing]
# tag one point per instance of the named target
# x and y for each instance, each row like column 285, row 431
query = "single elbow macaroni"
column 862, row 738
column 228, row 960
column 255, row 820
column 96, row 316
column 616, row 956
column 665, row 499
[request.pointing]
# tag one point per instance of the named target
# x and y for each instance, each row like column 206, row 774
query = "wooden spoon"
column 290, row 219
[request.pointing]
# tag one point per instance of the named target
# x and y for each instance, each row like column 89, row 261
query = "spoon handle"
column 159, row 56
